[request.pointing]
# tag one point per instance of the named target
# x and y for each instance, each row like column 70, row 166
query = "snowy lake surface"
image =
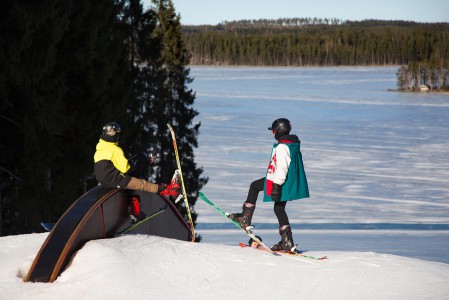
column 377, row 161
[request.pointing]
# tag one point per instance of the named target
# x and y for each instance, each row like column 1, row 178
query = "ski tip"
column 47, row 226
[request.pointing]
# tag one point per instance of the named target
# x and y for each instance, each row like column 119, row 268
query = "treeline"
column 67, row 68
column 432, row 76
column 316, row 42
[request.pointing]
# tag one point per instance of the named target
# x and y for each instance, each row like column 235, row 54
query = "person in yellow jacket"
column 112, row 168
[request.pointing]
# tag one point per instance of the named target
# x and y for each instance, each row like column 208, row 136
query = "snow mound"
column 150, row 267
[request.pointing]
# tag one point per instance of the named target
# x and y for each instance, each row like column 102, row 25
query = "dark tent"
column 103, row 213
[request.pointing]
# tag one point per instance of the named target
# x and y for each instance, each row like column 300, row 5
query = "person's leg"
column 285, row 230
column 255, row 187
column 172, row 189
column 141, row 185
column 244, row 218
column 279, row 211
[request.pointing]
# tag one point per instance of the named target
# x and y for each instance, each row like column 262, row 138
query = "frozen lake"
column 377, row 161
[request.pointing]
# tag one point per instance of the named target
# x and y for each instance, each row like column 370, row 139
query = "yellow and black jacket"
column 111, row 165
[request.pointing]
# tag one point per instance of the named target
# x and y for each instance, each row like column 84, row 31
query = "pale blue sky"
column 196, row 12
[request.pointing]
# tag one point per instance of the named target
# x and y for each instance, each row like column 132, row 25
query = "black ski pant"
column 279, row 207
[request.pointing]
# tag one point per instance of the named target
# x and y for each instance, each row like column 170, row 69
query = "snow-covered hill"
column 149, row 267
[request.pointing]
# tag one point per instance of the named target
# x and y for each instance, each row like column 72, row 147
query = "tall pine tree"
column 31, row 108
column 166, row 99
column 65, row 72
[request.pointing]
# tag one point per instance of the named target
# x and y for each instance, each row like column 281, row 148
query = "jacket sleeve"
column 119, row 160
column 283, row 159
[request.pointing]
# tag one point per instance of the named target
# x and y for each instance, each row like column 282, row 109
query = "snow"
column 151, row 267
column 372, row 157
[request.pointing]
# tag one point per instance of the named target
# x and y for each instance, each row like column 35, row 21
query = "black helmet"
column 111, row 132
column 251, row 240
column 280, row 127
column 151, row 152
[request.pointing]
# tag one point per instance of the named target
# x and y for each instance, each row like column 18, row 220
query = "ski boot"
column 244, row 218
column 286, row 242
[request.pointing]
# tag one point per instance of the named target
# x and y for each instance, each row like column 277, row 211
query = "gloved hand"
column 173, row 189
column 276, row 192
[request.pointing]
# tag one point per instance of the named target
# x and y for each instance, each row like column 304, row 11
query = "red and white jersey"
column 279, row 164
column 286, row 169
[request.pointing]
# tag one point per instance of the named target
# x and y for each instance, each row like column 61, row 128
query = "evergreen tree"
column 172, row 102
column 64, row 73
column 31, row 107
column 94, row 60
column 68, row 67
column 144, row 49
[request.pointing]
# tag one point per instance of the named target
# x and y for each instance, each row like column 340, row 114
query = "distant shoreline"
column 420, row 92
column 281, row 66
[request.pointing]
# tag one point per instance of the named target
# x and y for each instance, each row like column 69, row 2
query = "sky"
column 212, row 12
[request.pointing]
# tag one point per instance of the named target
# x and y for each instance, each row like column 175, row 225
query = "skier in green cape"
column 285, row 181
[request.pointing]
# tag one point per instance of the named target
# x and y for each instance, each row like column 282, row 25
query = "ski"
column 295, row 253
column 178, row 162
column 134, row 225
column 48, row 226
column 298, row 253
column 247, row 231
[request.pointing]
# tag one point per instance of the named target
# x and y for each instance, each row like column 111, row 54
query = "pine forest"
column 327, row 42
column 66, row 69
